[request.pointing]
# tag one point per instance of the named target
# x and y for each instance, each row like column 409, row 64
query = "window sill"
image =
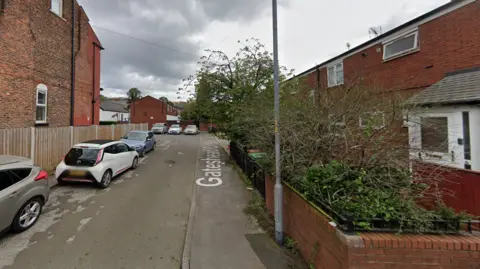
column 58, row 16
column 41, row 124
column 401, row 55
column 333, row 86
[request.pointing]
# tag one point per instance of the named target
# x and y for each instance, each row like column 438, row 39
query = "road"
column 138, row 222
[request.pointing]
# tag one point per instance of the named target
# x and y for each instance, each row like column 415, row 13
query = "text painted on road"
column 212, row 170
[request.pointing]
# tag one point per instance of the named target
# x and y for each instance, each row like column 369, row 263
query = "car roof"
column 10, row 159
column 96, row 143
column 139, row 131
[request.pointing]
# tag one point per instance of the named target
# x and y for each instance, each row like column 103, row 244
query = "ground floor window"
column 434, row 134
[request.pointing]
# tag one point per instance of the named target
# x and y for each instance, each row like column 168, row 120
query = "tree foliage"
column 133, row 94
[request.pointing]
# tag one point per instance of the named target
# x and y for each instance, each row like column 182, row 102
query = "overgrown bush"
column 365, row 194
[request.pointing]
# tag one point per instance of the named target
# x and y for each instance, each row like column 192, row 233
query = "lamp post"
column 278, row 179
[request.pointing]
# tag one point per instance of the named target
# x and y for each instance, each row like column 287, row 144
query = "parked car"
column 96, row 161
column 159, row 128
column 23, row 192
column 191, row 129
column 175, row 129
column 141, row 141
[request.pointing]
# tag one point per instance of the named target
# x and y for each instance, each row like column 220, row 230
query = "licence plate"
column 77, row 173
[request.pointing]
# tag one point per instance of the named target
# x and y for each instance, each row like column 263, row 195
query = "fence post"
column 32, row 144
column 113, row 131
column 96, row 131
column 71, row 135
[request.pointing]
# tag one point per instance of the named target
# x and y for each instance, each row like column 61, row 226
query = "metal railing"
column 249, row 166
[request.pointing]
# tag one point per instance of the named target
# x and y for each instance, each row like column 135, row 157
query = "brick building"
column 433, row 61
column 153, row 110
column 36, row 65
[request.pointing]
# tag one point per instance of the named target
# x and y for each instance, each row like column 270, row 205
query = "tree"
column 224, row 84
column 133, row 94
column 102, row 97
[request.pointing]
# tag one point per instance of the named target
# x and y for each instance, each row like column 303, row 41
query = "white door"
column 124, row 156
column 113, row 159
column 438, row 138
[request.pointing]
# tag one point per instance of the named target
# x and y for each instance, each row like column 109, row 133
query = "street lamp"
column 278, row 178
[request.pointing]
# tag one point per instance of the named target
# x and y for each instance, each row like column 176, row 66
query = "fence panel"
column 16, row 142
column 83, row 133
column 105, row 132
column 51, row 145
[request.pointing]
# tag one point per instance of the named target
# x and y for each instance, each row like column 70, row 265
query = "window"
column 5, row 180
column 401, row 46
column 434, row 134
column 41, row 115
column 122, row 148
column 375, row 120
column 57, row 7
column 335, row 75
column 111, row 149
column 20, row 174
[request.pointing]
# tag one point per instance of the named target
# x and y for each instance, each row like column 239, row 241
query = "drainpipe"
column 72, row 94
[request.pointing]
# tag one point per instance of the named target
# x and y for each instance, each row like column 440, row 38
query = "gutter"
column 72, row 94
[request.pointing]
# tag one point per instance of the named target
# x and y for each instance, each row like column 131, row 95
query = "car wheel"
column 135, row 163
column 27, row 215
column 106, row 179
column 142, row 153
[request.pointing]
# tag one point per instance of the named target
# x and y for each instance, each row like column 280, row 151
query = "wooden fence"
column 47, row 146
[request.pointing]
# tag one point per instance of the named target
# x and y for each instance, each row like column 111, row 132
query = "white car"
column 96, row 161
column 159, row 128
column 175, row 129
column 191, row 129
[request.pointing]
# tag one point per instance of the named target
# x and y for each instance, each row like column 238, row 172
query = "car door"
column 124, row 156
column 150, row 140
column 113, row 159
column 7, row 210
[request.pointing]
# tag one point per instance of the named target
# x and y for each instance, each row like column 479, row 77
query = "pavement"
column 223, row 236
column 183, row 204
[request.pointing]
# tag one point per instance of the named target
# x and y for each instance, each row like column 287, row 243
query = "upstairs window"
column 57, row 7
column 400, row 46
column 335, row 74
column 41, row 114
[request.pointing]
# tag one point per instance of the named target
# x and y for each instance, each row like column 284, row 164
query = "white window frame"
column 335, row 66
column 373, row 114
column 60, row 3
column 415, row 48
column 41, row 88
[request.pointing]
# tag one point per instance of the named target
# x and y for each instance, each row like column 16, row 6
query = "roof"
column 458, row 87
column 97, row 142
column 9, row 159
column 386, row 34
column 113, row 106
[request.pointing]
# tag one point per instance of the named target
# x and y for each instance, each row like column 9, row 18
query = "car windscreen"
column 159, row 125
column 81, row 156
column 191, row 127
column 136, row 136
column 175, row 126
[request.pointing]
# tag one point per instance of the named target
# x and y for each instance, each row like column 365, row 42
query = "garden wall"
column 328, row 248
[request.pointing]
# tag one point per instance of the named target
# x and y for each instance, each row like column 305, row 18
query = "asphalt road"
column 138, row 222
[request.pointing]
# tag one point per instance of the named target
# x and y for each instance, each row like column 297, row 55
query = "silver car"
column 159, row 128
column 24, row 190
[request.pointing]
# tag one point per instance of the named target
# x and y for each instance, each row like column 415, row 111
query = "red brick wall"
column 142, row 110
column 327, row 248
column 447, row 43
column 35, row 47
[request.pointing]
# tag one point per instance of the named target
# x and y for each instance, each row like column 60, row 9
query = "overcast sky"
column 177, row 31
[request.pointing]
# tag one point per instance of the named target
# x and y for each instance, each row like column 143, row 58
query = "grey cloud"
column 167, row 23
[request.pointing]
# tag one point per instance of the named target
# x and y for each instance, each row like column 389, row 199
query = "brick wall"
column 447, row 43
column 35, row 47
column 148, row 109
column 328, row 248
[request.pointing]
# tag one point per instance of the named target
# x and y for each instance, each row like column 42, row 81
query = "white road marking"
column 83, row 222
column 70, row 240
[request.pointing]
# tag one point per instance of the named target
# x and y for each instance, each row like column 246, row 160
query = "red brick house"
column 434, row 61
column 153, row 110
column 36, row 75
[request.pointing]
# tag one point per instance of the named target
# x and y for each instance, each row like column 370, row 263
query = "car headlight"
column 138, row 146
